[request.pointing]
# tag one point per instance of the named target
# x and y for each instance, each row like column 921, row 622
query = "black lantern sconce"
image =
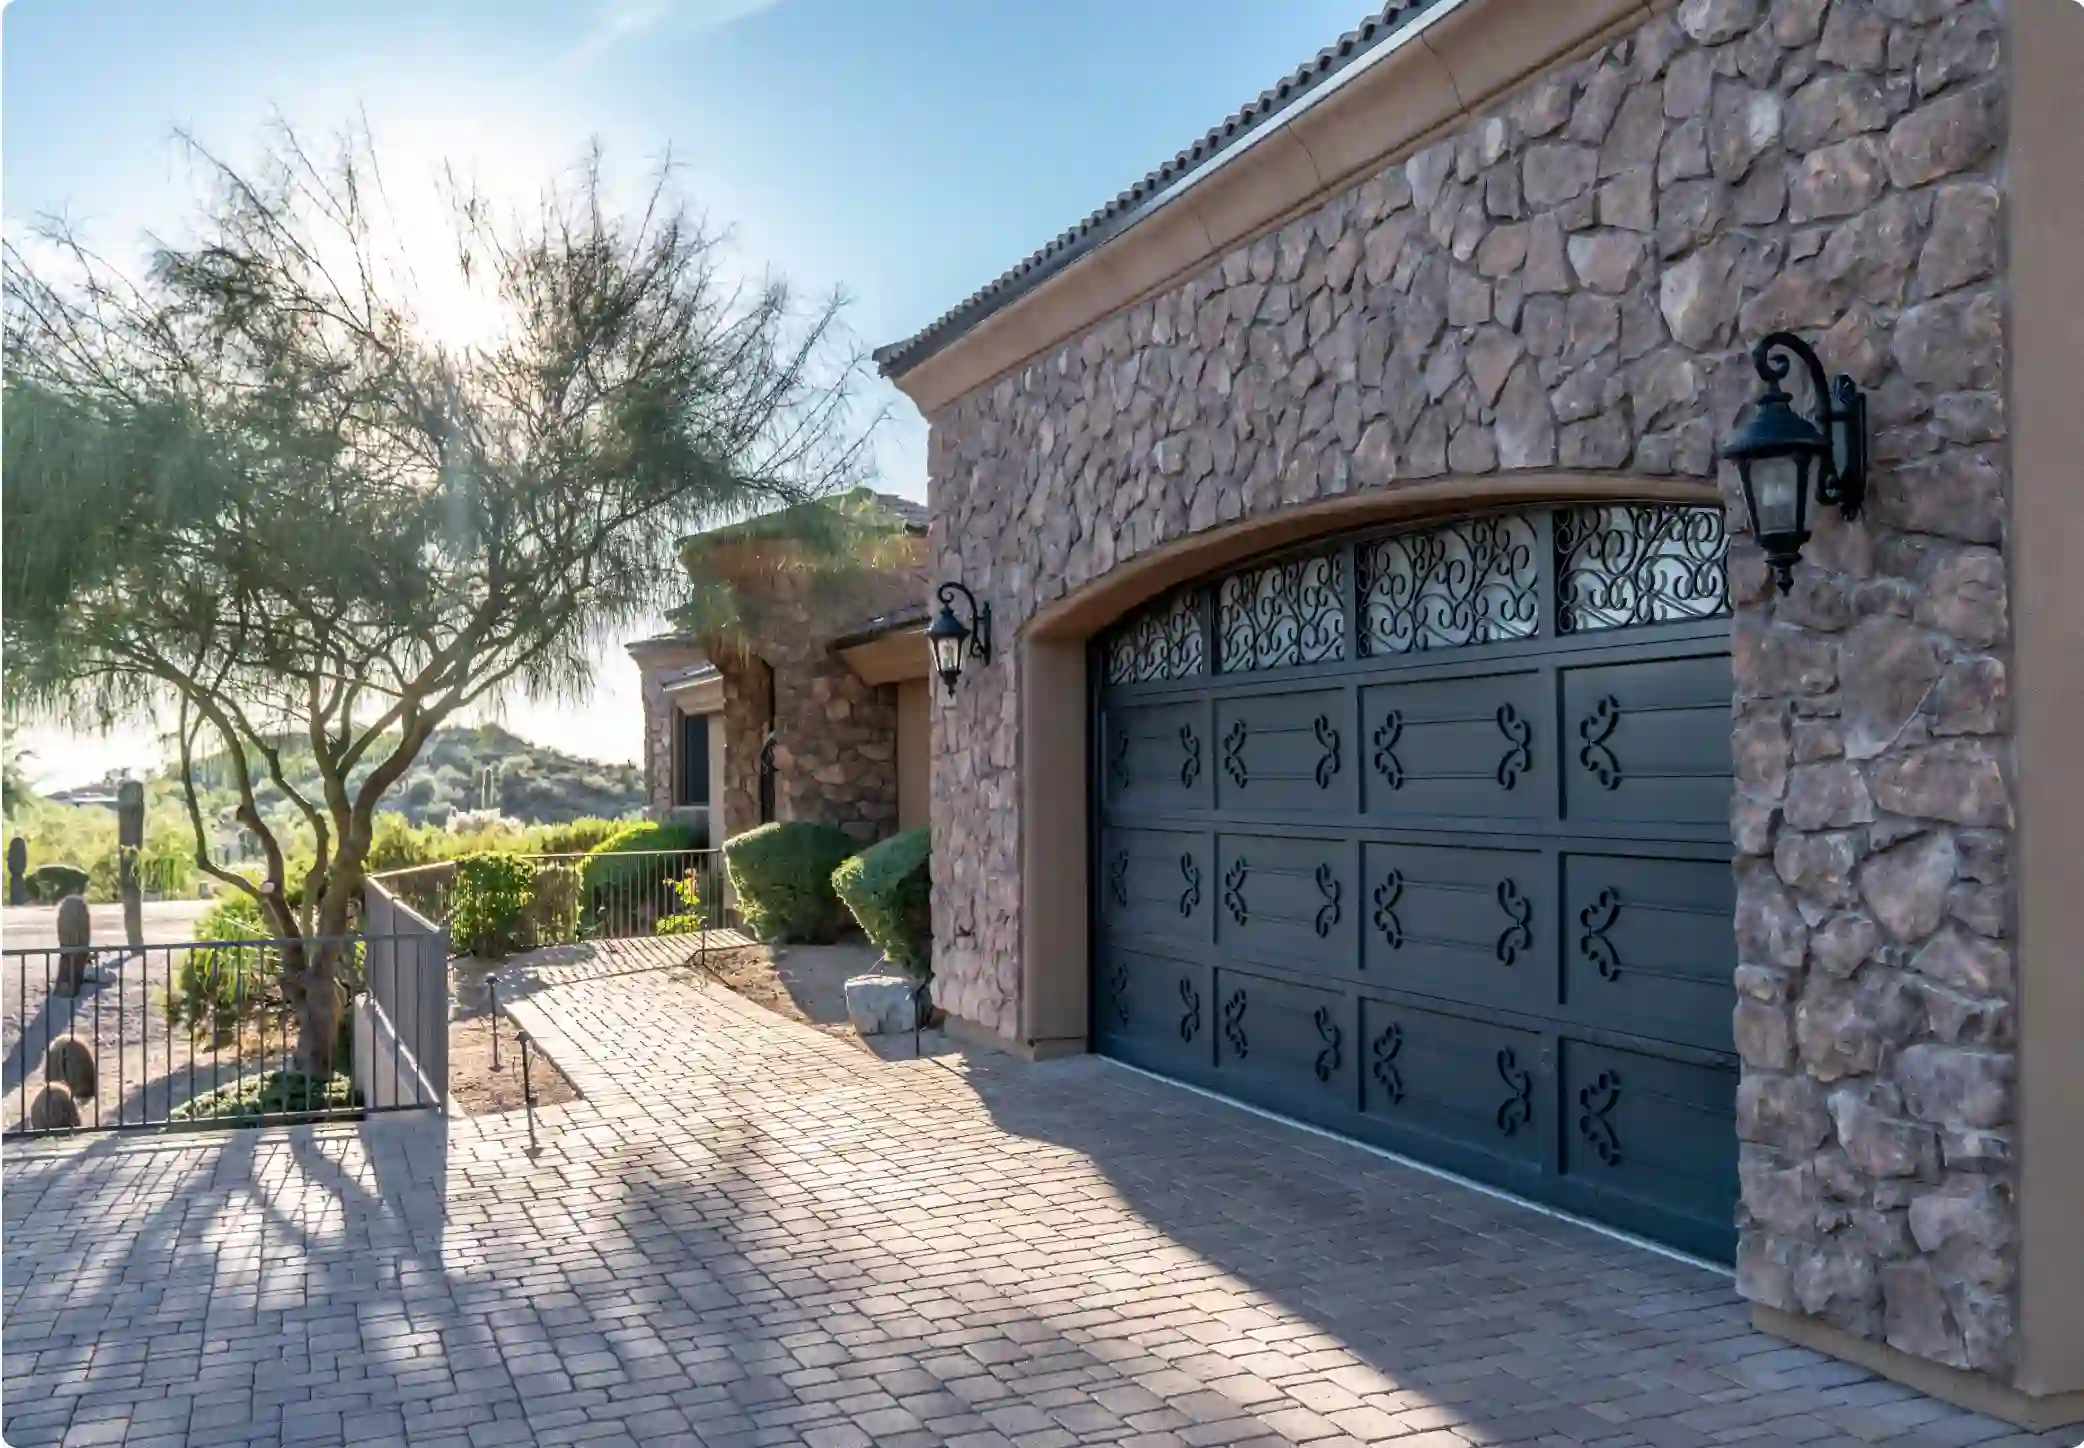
column 948, row 634
column 1782, row 457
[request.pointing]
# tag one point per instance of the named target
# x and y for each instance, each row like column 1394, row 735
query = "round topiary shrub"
column 888, row 888
column 782, row 876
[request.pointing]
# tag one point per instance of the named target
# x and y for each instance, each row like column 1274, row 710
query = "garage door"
column 1424, row 837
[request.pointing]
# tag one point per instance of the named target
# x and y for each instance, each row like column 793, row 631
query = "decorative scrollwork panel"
column 1623, row 564
column 1282, row 615
column 1158, row 644
column 1472, row 581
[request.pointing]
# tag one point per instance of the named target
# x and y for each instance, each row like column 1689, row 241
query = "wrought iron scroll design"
column 1595, row 729
column 1119, row 993
column 1387, row 894
column 1472, row 581
column 1118, row 877
column 1387, row 733
column 1519, row 756
column 1327, row 1032
column 1234, row 889
column 1385, row 1069
column 1519, row 935
column 1623, row 564
column 1234, row 754
column 1234, row 1023
column 1594, row 1123
column 1189, row 898
column 1593, row 945
column 1160, row 643
column 1190, row 764
column 1328, row 740
column 1328, row 912
column 1118, row 758
column 1284, row 614
column 1190, row 1019
column 1517, row 1109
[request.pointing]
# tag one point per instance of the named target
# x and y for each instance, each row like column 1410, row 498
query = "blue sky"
column 906, row 150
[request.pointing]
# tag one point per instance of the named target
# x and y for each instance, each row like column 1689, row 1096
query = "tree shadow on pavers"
column 207, row 1252
column 1498, row 1312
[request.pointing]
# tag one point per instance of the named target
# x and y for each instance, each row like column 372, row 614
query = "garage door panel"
column 1458, row 1077
column 1285, row 1044
column 1648, row 742
column 1470, row 747
column 1423, row 837
column 1466, row 924
column 1650, row 1129
column 1648, row 946
column 1156, row 757
column 1154, row 1008
column 1285, row 753
column 1287, row 899
column 1155, row 883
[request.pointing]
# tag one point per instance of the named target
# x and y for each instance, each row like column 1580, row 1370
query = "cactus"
column 70, row 1063
column 130, row 844
column 53, row 1109
column 17, row 871
column 75, row 941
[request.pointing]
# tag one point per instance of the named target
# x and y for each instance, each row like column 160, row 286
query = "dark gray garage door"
column 1424, row 837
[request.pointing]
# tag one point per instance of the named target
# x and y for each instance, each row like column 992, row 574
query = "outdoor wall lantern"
column 1781, row 456
column 948, row 634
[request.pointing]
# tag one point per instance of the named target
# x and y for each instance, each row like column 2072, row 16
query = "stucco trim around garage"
column 1457, row 61
column 2045, row 206
column 890, row 658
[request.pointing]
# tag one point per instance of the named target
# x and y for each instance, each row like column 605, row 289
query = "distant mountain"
column 529, row 782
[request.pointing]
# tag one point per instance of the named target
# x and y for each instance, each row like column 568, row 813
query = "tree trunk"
column 311, row 979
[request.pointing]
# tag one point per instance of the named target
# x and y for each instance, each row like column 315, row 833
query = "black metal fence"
column 201, row 1033
column 568, row 898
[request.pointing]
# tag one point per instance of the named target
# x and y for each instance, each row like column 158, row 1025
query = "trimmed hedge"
column 602, row 868
column 490, row 907
column 887, row 887
column 782, row 876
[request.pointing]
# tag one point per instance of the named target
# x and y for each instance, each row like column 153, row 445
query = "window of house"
column 693, row 774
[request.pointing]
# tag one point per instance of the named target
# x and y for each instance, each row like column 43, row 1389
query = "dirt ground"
column 807, row 983
column 474, row 1086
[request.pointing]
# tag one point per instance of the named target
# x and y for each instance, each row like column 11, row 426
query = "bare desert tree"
column 249, row 494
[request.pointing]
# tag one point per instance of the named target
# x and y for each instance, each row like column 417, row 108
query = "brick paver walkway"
column 752, row 1233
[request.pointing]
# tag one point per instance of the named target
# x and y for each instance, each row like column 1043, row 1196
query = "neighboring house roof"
column 687, row 677
column 908, row 515
column 909, row 617
column 1156, row 188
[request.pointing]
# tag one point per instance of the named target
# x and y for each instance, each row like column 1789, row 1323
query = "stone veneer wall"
column 1572, row 281
column 659, row 745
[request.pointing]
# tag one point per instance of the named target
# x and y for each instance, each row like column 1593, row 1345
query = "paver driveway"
column 751, row 1233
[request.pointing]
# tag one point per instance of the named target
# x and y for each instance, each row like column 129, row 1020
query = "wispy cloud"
column 618, row 22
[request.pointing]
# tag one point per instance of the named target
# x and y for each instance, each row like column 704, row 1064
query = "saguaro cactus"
column 130, row 842
column 75, row 941
column 17, row 871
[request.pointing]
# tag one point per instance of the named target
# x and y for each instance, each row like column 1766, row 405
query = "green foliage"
column 218, row 988
column 604, row 870
column 690, row 918
column 56, row 880
column 575, row 837
column 553, row 906
column 490, row 904
column 782, row 874
column 887, row 887
column 273, row 1093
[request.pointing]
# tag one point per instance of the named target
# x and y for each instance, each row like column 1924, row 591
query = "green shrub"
column 272, row 1093
column 217, row 988
column 575, row 837
column 602, row 868
column 55, row 881
column 782, row 876
column 489, row 908
column 553, row 906
column 887, row 886
column 689, row 919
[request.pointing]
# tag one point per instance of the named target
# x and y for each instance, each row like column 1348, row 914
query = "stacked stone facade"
column 1572, row 282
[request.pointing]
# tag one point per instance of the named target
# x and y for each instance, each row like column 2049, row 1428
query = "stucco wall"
column 1573, row 281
